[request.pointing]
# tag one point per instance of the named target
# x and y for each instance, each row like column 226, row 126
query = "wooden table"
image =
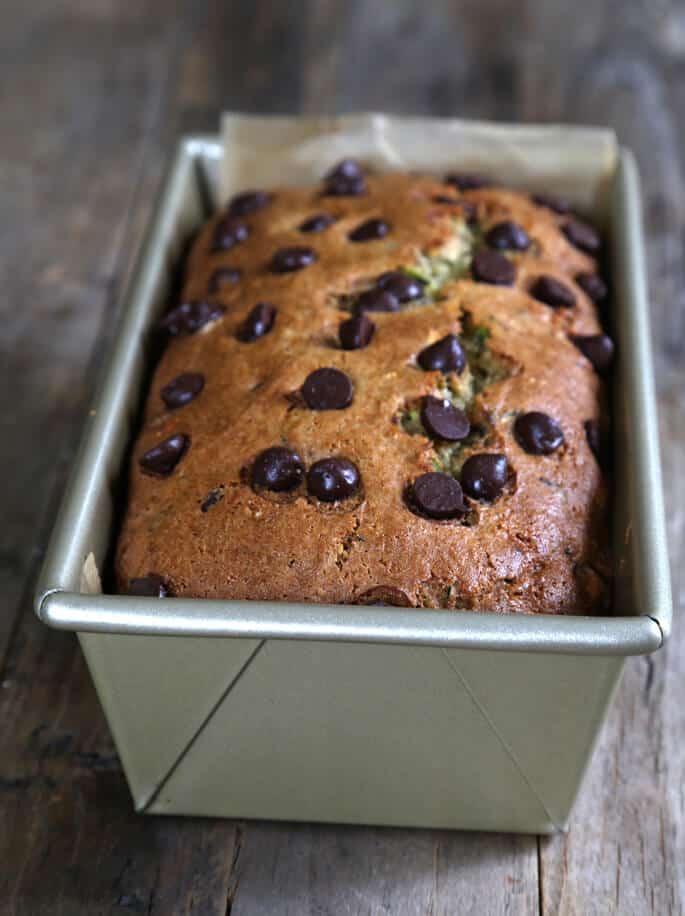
column 94, row 95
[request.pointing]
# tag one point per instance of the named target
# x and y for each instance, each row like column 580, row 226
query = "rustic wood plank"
column 69, row 842
column 303, row 870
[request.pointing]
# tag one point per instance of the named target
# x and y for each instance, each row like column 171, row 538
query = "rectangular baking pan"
column 355, row 714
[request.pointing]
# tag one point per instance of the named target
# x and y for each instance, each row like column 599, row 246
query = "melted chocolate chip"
column 346, row 179
column 228, row 233
column 327, row 389
column 484, row 476
column 507, row 235
column 582, row 236
column 552, row 292
column 286, row 260
column 317, row 223
column 259, row 322
column 332, row 479
column 213, row 497
column 161, row 460
column 370, row 230
column 556, row 204
column 221, row 276
column 537, row 433
column 248, row 202
column 189, row 317
column 150, row 586
column 443, row 199
column 356, row 332
column 376, row 300
column 593, row 286
column 278, row 469
column 402, row 285
column 437, row 496
column 442, row 420
column 490, row 267
column 466, row 181
column 598, row 348
column 182, row 390
column 445, row 355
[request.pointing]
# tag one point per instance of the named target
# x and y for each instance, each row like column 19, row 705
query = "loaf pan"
column 355, row 714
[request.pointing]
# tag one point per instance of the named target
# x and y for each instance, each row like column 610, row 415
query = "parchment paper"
column 91, row 583
column 576, row 162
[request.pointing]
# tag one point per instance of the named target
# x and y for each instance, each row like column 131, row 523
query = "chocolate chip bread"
column 383, row 389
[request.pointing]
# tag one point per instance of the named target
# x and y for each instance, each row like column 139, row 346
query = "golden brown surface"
column 539, row 547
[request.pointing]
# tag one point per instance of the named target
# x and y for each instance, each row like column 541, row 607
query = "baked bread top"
column 382, row 389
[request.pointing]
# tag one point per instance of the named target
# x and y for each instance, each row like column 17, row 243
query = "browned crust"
column 539, row 548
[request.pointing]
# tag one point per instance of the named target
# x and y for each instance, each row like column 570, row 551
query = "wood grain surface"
column 94, row 95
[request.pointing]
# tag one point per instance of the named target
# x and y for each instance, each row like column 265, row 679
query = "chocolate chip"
column 248, row 202
column 537, row 433
column 376, row 300
column 445, row 355
column 189, row 317
column 183, row 389
column 161, row 460
column 556, row 204
column 278, row 469
column 150, row 586
column 332, row 479
column 356, row 332
column 442, row 420
column 484, row 476
column 317, row 223
column 491, row 267
column 443, row 199
column 258, row 323
column 228, row 233
column 465, row 181
column 598, row 348
column 345, row 179
column 552, row 292
column 286, row 260
column 213, row 497
column 593, row 286
column 582, row 236
column 221, row 276
column 370, row 230
column 402, row 285
column 327, row 389
column 346, row 168
column 437, row 496
column 507, row 235
column 598, row 443
column 341, row 186
column 594, row 437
